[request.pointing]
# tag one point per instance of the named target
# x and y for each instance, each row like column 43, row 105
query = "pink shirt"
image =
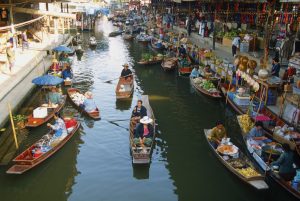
column 146, row 131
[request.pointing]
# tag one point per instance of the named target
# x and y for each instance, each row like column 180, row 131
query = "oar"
column 108, row 81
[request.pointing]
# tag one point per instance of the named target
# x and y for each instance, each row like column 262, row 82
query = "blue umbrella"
column 62, row 48
column 47, row 80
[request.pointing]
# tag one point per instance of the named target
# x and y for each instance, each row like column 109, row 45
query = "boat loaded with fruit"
column 275, row 158
column 237, row 162
column 206, row 87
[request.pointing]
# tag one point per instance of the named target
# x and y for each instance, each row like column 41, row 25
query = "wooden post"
column 13, row 127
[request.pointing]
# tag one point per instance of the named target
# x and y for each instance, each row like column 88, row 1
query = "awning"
column 40, row 12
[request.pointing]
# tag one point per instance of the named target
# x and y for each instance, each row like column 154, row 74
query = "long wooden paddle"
column 108, row 81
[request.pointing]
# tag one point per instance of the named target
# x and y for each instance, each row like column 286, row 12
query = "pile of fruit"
column 246, row 123
column 248, row 172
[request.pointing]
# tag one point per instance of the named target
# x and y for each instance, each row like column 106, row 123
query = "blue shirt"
column 89, row 105
column 275, row 70
column 194, row 73
column 254, row 132
column 54, row 97
column 60, row 126
column 66, row 73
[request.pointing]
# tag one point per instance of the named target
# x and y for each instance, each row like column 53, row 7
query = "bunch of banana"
column 248, row 172
column 246, row 123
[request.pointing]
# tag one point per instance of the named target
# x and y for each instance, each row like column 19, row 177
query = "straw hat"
column 88, row 94
column 126, row 65
column 54, row 61
column 146, row 120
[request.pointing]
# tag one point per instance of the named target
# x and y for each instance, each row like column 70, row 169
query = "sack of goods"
column 78, row 98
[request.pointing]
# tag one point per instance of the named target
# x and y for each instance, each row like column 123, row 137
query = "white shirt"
column 236, row 42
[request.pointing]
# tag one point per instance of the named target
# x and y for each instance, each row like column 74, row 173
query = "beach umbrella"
column 47, row 80
column 62, row 48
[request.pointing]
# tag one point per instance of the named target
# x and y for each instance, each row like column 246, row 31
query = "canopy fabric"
column 62, row 48
column 47, row 80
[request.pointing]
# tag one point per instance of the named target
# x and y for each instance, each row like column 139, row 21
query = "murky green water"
column 95, row 165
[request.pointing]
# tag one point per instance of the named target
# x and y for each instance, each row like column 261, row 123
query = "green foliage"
column 19, row 118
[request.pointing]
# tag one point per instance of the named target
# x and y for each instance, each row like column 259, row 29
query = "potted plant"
column 20, row 120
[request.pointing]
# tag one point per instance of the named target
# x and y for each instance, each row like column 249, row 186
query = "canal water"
column 95, row 165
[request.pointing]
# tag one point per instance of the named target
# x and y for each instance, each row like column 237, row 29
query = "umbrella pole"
column 13, row 126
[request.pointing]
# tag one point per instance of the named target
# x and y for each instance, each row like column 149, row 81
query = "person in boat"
column 126, row 72
column 67, row 72
column 207, row 71
column 139, row 111
column 144, row 132
column 257, row 133
column 59, row 126
column 285, row 163
column 54, row 97
column 89, row 104
column 195, row 72
column 55, row 66
column 217, row 133
column 61, row 56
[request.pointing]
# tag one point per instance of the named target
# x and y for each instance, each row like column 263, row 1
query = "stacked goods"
column 208, row 86
column 248, row 172
column 147, row 57
column 246, row 123
column 77, row 98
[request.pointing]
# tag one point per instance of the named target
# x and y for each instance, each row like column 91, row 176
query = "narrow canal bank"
column 96, row 163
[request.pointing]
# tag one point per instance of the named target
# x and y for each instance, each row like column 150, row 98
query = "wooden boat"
column 128, row 37
column 263, row 164
column 235, row 165
column 26, row 161
column 212, row 94
column 35, row 122
column 127, row 88
column 155, row 60
column 115, row 33
column 142, row 155
column 238, row 109
column 184, row 71
column 169, row 64
column 94, row 115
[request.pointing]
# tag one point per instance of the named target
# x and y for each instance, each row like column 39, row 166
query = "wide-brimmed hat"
column 125, row 65
column 88, row 94
column 146, row 120
column 54, row 61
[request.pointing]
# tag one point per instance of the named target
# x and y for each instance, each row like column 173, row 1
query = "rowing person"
column 139, row 111
column 126, row 73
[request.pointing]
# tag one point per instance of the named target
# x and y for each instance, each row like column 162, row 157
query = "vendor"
column 89, row 104
column 207, row 71
column 54, row 97
column 61, row 56
column 256, row 133
column 55, row 66
column 195, row 72
column 67, row 72
column 217, row 133
column 59, row 127
column 285, row 163
column 275, row 67
column 144, row 132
